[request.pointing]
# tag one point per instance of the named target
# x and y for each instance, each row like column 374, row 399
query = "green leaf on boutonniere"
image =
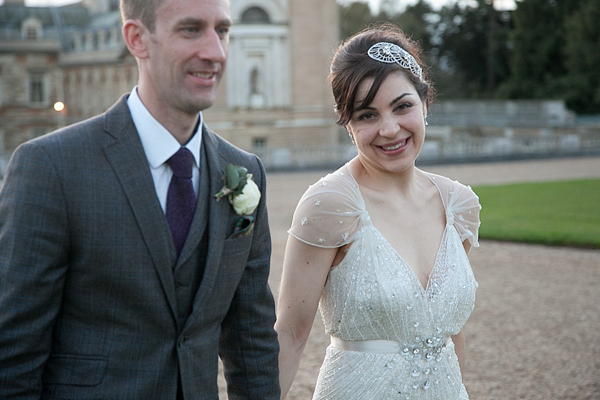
column 235, row 178
column 232, row 177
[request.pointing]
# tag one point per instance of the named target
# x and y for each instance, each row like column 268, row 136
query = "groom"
column 115, row 282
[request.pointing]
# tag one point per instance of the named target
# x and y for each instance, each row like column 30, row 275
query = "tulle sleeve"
column 465, row 209
column 462, row 208
column 329, row 213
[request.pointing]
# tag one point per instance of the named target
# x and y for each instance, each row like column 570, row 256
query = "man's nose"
column 214, row 48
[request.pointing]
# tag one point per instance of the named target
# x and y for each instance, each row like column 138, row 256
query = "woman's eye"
column 403, row 106
column 365, row 116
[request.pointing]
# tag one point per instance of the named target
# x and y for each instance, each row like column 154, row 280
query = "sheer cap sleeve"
column 329, row 213
column 462, row 208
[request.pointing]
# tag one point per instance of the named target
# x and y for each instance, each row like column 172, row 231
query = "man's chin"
column 197, row 105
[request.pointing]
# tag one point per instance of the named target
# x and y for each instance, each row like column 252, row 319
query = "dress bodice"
column 373, row 294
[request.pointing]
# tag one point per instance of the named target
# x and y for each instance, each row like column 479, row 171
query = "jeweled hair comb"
column 392, row 53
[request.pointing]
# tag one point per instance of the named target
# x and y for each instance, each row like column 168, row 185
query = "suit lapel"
column 214, row 214
column 126, row 155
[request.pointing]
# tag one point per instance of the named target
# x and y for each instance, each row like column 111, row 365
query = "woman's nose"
column 389, row 127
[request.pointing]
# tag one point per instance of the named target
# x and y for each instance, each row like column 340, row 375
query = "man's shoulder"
column 227, row 150
column 82, row 131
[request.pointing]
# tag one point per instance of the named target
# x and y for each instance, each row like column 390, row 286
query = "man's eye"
column 223, row 32
column 190, row 30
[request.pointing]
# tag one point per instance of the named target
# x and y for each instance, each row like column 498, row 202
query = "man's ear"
column 133, row 34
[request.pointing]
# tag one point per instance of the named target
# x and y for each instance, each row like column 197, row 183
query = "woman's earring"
column 425, row 117
column 351, row 137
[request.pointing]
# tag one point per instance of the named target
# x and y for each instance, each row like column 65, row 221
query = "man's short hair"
column 143, row 10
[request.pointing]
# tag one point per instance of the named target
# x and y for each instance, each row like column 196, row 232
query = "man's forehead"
column 195, row 11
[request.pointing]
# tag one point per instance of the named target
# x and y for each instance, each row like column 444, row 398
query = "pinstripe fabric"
column 88, row 299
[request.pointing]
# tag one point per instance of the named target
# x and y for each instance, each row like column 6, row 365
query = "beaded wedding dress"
column 390, row 335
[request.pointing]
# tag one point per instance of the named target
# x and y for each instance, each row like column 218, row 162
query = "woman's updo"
column 351, row 64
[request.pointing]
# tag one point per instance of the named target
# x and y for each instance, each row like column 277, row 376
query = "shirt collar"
column 158, row 143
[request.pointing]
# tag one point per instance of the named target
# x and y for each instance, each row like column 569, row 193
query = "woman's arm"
column 460, row 349
column 467, row 246
column 459, row 339
column 305, row 270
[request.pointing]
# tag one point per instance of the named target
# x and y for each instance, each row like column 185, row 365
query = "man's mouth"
column 204, row 75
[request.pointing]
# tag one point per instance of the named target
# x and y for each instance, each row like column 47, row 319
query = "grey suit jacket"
column 87, row 289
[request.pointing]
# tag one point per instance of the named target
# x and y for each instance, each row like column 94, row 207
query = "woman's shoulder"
column 450, row 186
column 328, row 214
column 336, row 187
column 462, row 206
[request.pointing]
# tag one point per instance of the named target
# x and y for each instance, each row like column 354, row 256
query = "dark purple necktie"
column 181, row 200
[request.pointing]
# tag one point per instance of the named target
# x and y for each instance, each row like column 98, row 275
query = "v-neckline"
column 424, row 288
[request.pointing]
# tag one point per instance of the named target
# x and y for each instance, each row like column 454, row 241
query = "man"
column 101, row 297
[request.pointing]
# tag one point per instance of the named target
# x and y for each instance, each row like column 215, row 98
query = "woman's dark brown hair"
column 351, row 64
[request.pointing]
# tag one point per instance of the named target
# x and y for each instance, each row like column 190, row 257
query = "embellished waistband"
column 427, row 348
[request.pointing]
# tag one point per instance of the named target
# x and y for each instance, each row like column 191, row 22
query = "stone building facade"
column 274, row 93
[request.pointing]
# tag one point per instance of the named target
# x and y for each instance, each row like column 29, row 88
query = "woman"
column 379, row 245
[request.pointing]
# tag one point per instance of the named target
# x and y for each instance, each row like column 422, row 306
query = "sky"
column 372, row 3
column 34, row 3
column 503, row 4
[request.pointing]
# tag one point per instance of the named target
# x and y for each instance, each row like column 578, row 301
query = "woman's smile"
column 396, row 147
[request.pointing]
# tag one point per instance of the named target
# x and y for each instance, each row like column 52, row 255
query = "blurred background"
column 514, row 79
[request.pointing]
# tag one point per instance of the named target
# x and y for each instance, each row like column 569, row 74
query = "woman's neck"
column 403, row 182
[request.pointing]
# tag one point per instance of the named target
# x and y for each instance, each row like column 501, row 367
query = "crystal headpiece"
column 392, row 53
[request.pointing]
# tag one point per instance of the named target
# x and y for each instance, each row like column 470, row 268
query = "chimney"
column 97, row 6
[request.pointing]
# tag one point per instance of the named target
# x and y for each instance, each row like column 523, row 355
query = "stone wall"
column 501, row 113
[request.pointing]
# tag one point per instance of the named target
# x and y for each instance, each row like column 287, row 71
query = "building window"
column 96, row 42
column 37, row 92
column 255, row 15
column 31, row 33
column 257, row 98
column 31, row 29
column 259, row 142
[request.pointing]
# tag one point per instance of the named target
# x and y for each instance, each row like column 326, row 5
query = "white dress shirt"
column 159, row 145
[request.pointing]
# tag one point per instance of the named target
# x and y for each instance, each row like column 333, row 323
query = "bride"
column 380, row 246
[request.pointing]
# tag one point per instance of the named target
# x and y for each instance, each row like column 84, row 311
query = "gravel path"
column 535, row 331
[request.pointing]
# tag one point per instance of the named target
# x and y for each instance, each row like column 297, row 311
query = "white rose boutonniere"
column 240, row 189
column 245, row 203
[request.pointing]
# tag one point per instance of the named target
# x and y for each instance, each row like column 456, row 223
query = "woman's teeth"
column 396, row 147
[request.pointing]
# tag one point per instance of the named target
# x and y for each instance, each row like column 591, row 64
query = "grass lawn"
column 565, row 213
